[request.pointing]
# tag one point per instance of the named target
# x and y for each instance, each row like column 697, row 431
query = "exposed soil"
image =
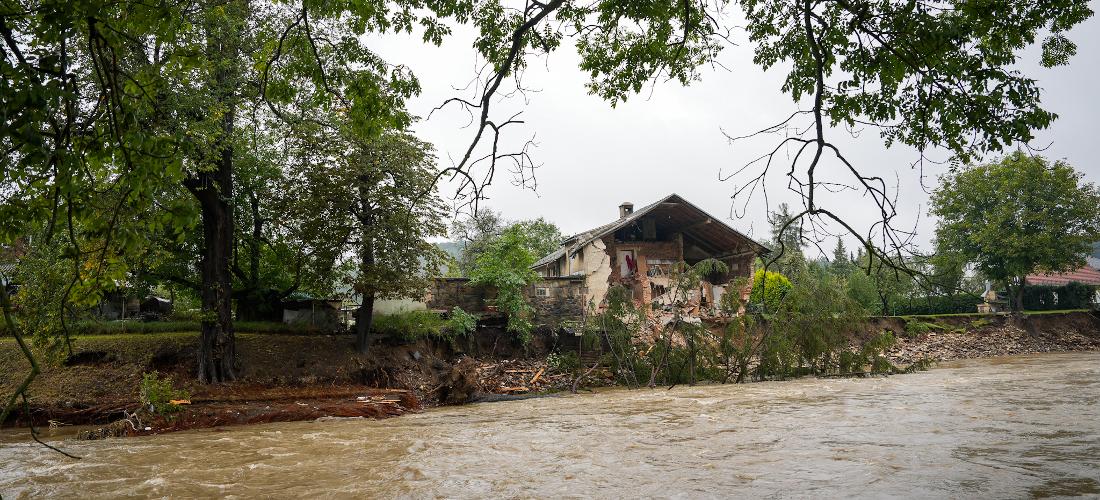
column 282, row 378
column 938, row 338
column 305, row 377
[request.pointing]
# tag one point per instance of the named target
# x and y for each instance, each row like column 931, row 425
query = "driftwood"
column 577, row 381
column 537, row 375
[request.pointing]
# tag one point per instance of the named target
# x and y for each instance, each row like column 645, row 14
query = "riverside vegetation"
column 234, row 154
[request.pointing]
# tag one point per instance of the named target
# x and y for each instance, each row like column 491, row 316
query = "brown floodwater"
column 1023, row 426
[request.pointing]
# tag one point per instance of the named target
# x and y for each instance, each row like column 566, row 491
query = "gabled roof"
column 679, row 212
column 1086, row 275
column 550, row 257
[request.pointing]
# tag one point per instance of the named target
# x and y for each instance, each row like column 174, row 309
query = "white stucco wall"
column 597, row 268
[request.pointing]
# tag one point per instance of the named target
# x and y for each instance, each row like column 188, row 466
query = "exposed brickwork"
column 665, row 250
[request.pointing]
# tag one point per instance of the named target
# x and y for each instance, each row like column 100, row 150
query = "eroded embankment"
column 292, row 377
column 281, row 378
column 938, row 338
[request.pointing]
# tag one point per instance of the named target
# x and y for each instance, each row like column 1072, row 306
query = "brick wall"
column 663, row 250
column 646, row 253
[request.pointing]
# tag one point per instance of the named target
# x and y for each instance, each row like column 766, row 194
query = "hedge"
column 1072, row 295
column 937, row 304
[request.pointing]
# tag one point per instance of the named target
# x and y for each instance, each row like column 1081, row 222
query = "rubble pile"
column 1000, row 340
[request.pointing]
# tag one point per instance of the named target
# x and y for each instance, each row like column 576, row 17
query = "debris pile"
column 520, row 376
column 1000, row 340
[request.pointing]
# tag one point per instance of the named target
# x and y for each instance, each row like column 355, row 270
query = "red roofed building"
column 1087, row 275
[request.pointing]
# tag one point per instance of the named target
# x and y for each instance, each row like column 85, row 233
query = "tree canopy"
column 369, row 216
column 1016, row 216
column 126, row 119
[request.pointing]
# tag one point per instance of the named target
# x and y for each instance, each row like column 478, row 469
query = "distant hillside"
column 453, row 248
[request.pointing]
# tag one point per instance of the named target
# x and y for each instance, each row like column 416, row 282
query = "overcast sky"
column 669, row 139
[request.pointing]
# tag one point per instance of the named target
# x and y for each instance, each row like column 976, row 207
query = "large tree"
column 478, row 233
column 131, row 96
column 370, row 207
column 1016, row 216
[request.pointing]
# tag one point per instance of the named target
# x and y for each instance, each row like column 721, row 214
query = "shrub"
column 157, row 394
column 1040, row 298
column 563, row 362
column 980, row 323
column 410, row 325
column 1072, row 295
column 181, row 314
column 807, row 333
column 874, row 352
column 616, row 328
column 915, row 328
column 506, row 266
column 461, row 322
column 937, row 304
column 769, row 289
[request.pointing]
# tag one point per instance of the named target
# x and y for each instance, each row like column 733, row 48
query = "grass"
column 1056, row 311
column 914, row 328
column 410, row 325
column 145, row 327
column 960, row 315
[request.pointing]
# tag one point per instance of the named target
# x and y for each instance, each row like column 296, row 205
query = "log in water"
column 1007, row 427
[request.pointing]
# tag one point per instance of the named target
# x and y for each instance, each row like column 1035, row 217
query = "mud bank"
column 288, row 378
column 281, row 378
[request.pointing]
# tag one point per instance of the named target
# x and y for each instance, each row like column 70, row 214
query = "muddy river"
column 1026, row 426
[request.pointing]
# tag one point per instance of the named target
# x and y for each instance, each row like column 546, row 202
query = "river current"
column 1012, row 427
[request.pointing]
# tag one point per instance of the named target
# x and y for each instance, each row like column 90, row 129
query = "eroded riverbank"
column 290, row 378
column 1002, row 427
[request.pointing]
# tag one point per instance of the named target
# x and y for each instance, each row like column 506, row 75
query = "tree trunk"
column 691, row 349
column 214, row 191
column 253, row 303
column 363, row 323
column 217, row 348
column 1018, row 296
column 366, row 308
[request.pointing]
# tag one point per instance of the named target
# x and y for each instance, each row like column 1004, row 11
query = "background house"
column 638, row 250
column 1086, row 275
column 322, row 313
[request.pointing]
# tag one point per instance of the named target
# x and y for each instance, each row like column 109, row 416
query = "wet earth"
column 1010, row 427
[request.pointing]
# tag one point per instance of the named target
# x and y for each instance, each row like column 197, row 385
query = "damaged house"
column 637, row 251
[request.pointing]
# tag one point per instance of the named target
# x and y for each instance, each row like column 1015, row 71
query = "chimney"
column 626, row 209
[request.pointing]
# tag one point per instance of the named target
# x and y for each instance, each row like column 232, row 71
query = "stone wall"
column 554, row 299
column 447, row 293
column 557, row 299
